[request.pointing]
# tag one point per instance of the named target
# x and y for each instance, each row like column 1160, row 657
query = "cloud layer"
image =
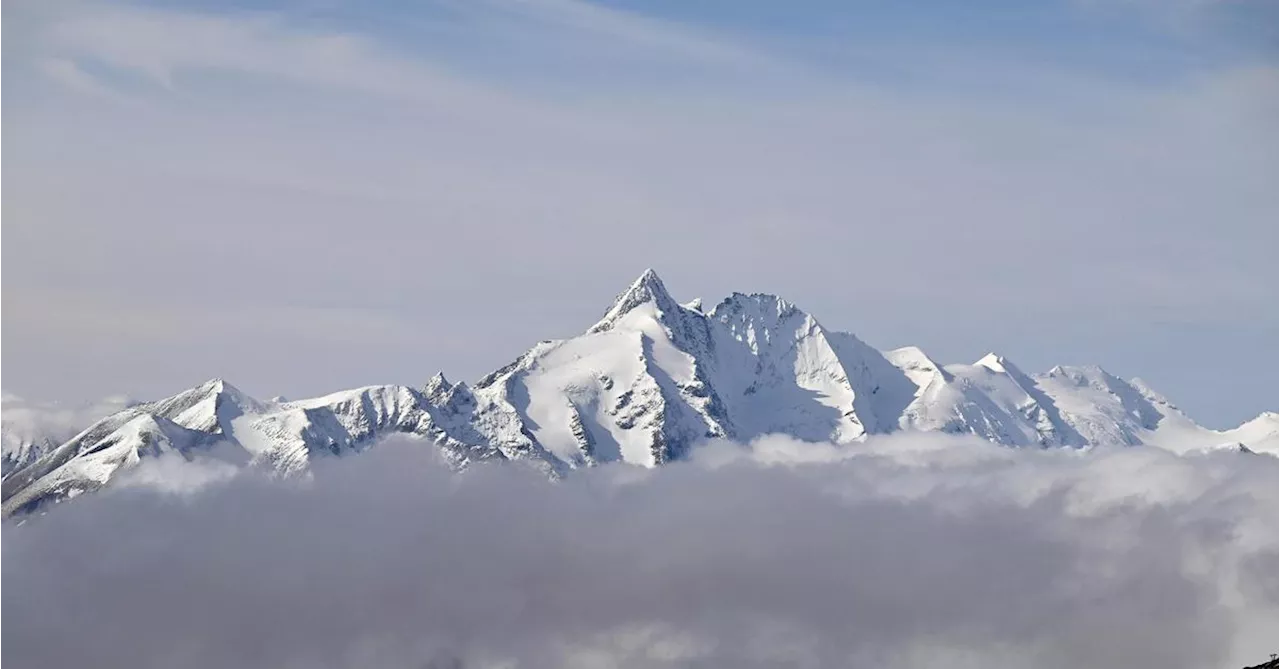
column 915, row 551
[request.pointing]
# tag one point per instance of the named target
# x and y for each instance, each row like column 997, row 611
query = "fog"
column 907, row 551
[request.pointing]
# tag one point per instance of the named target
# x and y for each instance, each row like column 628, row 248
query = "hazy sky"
column 307, row 196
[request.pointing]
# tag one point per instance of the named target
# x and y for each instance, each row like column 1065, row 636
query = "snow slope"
column 284, row 436
column 643, row 385
column 28, row 430
column 1260, row 435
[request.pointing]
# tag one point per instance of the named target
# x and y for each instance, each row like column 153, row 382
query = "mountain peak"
column 213, row 385
column 659, row 378
column 993, row 362
column 1264, row 419
column 757, row 303
column 219, row 386
column 1148, row 392
column 648, row 288
column 648, row 284
column 649, row 275
column 436, row 385
column 214, row 402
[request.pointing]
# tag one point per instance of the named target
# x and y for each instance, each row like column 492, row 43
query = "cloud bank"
column 912, row 551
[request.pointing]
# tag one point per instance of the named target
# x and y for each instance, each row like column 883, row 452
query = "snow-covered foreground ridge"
column 652, row 378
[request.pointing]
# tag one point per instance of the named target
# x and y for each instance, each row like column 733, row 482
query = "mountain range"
column 644, row 385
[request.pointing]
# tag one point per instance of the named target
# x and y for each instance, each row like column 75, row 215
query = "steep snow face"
column 793, row 380
column 295, row 432
column 783, row 373
column 143, row 436
column 1066, row 406
column 643, row 385
column 884, row 386
column 19, row 448
column 646, row 291
column 653, row 377
column 918, row 368
column 632, row 388
column 474, row 427
column 1014, row 389
column 1104, row 409
column 29, row 430
column 208, row 409
column 991, row 398
column 283, row 436
column 1260, row 435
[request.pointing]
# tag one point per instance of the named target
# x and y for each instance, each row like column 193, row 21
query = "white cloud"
column 185, row 475
column 931, row 552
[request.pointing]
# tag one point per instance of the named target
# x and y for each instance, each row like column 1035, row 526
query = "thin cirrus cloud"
column 912, row 551
column 320, row 164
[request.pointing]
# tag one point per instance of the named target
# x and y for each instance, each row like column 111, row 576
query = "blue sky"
column 307, row 196
column 1141, row 39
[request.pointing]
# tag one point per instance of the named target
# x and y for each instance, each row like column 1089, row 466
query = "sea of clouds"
column 908, row 551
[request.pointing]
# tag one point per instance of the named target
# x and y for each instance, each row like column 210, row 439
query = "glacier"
column 645, row 384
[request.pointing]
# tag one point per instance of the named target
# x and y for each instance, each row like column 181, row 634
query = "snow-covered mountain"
column 643, row 385
column 31, row 429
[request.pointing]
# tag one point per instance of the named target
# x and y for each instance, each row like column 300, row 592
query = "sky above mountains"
column 307, row 196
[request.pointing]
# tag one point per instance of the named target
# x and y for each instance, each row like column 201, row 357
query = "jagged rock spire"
column 437, row 384
column 648, row 288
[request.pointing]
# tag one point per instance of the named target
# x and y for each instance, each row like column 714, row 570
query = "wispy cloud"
column 655, row 35
column 342, row 165
column 161, row 44
column 69, row 74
